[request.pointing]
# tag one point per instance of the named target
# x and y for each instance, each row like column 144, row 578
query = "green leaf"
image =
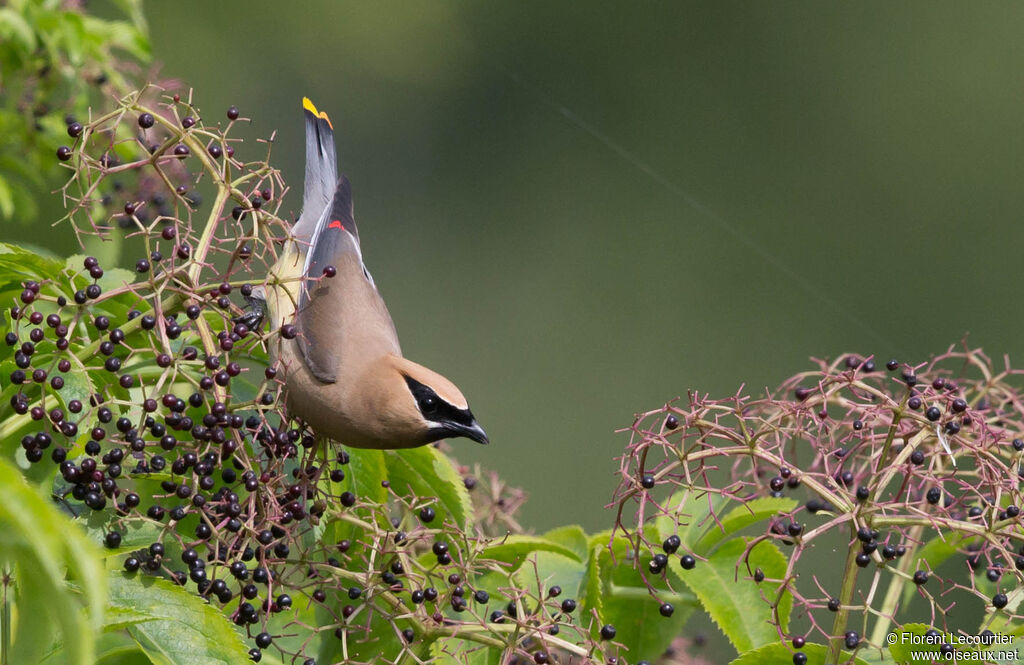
column 32, row 594
column 380, row 644
column 902, row 651
column 24, row 262
column 47, row 552
column 968, row 651
column 132, row 655
column 112, row 648
column 455, row 651
column 735, row 604
column 135, row 534
column 77, row 385
column 571, row 536
column 876, row 657
column 591, row 597
column 113, row 278
column 742, row 516
column 689, row 515
column 133, row 8
column 25, row 203
column 72, row 29
column 599, row 539
column 13, row 26
column 1003, row 622
column 779, row 654
column 639, row 624
column 626, row 602
column 363, row 476
column 932, row 555
column 6, row 198
column 107, row 250
column 120, row 34
column 543, row 570
column 19, row 169
column 514, row 549
column 426, row 472
column 174, row 625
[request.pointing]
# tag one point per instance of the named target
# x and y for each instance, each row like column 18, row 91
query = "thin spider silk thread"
column 718, row 220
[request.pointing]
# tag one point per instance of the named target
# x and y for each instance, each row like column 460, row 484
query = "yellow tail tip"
column 308, row 104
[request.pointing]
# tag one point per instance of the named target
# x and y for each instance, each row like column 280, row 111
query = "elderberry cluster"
column 901, row 469
column 155, row 417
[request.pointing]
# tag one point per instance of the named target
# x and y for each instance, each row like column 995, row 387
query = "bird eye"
column 427, row 401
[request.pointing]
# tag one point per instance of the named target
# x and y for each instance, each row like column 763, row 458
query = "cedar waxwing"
column 343, row 370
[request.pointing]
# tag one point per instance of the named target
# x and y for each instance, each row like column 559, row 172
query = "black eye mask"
column 434, row 408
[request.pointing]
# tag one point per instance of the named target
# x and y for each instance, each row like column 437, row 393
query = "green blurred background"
column 580, row 211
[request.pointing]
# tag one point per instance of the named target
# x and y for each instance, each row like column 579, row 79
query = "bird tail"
column 321, row 170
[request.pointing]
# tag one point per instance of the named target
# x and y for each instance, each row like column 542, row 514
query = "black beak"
column 470, row 431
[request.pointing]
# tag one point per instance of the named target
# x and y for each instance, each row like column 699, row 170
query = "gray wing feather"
column 327, row 225
column 321, row 175
column 334, row 237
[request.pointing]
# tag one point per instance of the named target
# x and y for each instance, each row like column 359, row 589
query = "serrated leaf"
column 734, row 603
column 779, row 654
column 591, row 598
column 21, row 261
column 742, row 516
column 178, row 626
column 571, row 536
column 599, row 539
column 427, row 472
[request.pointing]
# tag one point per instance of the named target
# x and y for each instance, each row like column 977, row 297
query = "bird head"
column 427, row 404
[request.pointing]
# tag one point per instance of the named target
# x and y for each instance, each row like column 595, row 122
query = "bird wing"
column 321, row 171
column 334, row 243
column 323, row 243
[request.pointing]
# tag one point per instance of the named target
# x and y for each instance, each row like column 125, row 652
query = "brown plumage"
column 344, row 372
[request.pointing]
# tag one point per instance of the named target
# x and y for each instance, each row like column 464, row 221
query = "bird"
column 344, row 372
